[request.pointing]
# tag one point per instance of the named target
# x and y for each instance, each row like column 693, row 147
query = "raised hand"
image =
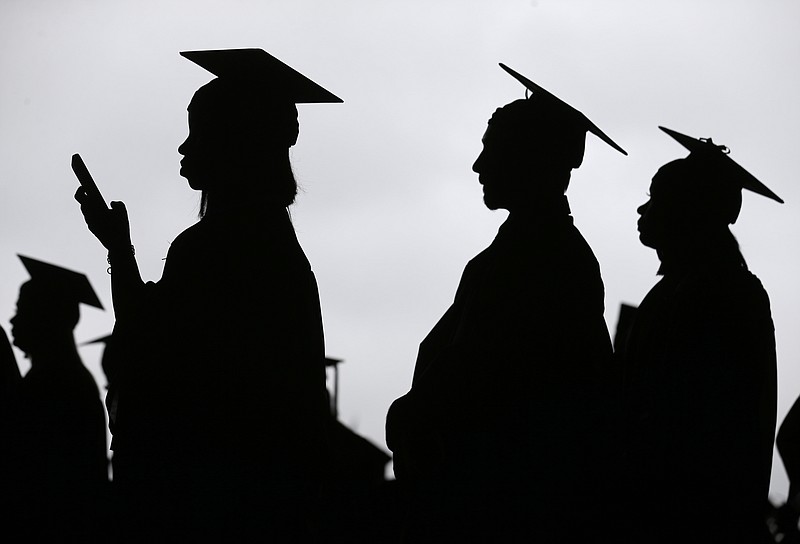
column 110, row 226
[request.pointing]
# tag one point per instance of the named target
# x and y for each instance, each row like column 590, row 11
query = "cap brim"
column 534, row 88
column 101, row 340
column 742, row 177
column 257, row 67
column 330, row 361
column 72, row 284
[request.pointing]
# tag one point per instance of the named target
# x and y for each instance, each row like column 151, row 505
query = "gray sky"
column 390, row 210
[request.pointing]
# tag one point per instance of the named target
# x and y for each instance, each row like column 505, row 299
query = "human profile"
column 500, row 429
column 699, row 362
column 222, row 412
column 55, row 468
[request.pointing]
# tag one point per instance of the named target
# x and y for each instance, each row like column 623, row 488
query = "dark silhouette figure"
column 359, row 502
column 627, row 313
column 54, row 445
column 499, row 438
column 784, row 518
column 788, row 442
column 700, row 386
column 220, row 427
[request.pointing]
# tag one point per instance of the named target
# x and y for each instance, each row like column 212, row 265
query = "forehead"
column 691, row 180
column 672, row 176
column 32, row 295
column 500, row 135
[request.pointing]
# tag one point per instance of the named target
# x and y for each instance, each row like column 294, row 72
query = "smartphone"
column 86, row 181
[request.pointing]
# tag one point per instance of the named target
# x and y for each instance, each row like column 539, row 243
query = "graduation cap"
column 257, row 68
column 569, row 114
column 100, row 340
column 68, row 285
column 717, row 157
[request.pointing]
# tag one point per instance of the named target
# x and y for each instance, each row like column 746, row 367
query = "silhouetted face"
column 23, row 332
column 500, row 169
column 40, row 314
column 687, row 199
column 201, row 150
column 529, row 150
column 657, row 215
column 234, row 132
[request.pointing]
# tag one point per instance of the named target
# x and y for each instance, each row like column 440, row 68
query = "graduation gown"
column 504, row 414
column 222, row 386
column 55, row 466
column 700, row 400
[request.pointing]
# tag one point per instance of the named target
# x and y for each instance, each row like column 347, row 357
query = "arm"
column 112, row 229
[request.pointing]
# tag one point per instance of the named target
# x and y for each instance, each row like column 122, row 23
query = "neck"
column 244, row 202
column 58, row 350
column 252, row 188
column 550, row 205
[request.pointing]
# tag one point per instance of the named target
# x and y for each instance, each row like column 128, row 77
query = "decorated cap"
column 717, row 158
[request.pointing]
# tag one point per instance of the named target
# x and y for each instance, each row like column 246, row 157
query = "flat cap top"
column 67, row 283
column 256, row 67
column 573, row 114
column 717, row 156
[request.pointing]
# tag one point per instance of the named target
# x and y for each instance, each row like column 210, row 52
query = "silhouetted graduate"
column 497, row 438
column 220, row 427
column 785, row 517
column 700, row 362
column 55, row 466
column 788, row 442
column 359, row 505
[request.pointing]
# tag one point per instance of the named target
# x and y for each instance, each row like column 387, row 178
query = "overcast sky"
column 390, row 210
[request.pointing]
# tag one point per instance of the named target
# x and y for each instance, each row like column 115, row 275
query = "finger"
column 120, row 208
column 80, row 195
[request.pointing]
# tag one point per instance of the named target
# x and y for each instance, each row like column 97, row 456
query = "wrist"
column 121, row 248
column 117, row 253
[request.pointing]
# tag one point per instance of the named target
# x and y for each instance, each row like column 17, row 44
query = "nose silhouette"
column 476, row 165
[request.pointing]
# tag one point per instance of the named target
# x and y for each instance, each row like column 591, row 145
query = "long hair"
column 257, row 131
column 281, row 188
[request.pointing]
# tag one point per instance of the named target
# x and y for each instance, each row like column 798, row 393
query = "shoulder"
column 574, row 247
column 193, row 236
column 724, row 296
column 723, row 284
